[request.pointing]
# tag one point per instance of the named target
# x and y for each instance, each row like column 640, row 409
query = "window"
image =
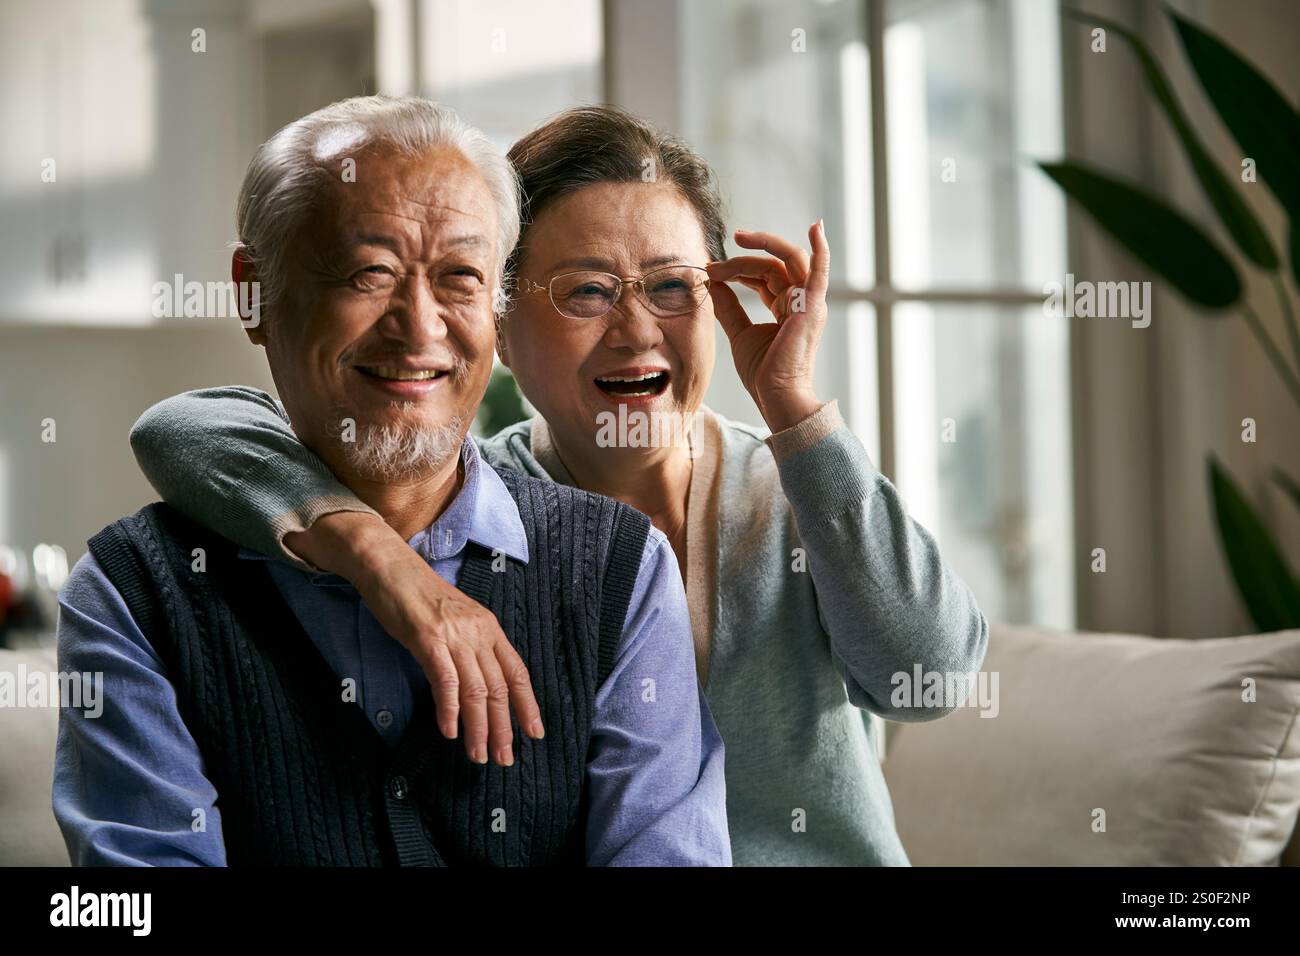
column 943, row 234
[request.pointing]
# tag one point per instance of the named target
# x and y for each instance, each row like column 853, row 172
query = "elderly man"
column 256, row 712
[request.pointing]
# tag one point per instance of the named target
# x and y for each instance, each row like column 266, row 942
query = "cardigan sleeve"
column 887, row 599
column 228, row 458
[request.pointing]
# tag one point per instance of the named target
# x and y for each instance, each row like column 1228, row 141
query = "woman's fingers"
column 445, row 682
column 731, row 314
column 819, row 275
column 473, row 702
column 760, row 274
column 761, row 268
column 522, row 700
column 759, row 286
column 795, row 259
column 501, row 738
column 474, row 674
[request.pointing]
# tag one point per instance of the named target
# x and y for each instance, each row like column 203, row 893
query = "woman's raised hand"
column 776, row 361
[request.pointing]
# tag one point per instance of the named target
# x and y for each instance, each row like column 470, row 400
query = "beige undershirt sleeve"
column 807, row 433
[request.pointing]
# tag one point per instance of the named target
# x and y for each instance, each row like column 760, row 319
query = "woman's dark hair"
column 604, row 144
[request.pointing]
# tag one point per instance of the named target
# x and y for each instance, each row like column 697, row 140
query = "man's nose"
column 414, row 314
column 631, row 325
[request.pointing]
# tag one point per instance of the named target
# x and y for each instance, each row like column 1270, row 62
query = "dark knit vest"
column 302, row 777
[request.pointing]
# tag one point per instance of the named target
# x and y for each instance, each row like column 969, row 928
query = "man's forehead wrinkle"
column 407, row 204
column 400, row 204
column 406, row 221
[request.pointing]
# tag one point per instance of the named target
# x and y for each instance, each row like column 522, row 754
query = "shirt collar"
column 483, row 512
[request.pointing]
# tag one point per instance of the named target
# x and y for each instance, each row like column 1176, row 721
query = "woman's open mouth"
column 634, row 385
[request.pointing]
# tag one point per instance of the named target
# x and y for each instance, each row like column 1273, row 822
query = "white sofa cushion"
column 1153, row 731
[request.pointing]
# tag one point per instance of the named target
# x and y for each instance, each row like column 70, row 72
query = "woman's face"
column 564, row 366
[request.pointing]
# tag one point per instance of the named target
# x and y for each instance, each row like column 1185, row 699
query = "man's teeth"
column 402, row 375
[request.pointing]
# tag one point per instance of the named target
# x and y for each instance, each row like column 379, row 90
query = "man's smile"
column 408, row 380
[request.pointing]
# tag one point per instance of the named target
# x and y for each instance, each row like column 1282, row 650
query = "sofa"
column 1110, row 750
column 1101, row 750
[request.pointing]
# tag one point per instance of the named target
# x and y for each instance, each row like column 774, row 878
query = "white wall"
column 150, row 139
column 94, row 383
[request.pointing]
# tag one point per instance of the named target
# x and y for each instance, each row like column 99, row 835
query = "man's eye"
column 374, row 278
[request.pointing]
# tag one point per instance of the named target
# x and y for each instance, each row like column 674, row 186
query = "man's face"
column 386, row 319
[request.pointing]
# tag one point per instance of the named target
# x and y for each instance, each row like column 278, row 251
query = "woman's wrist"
column 785, row 409
column 355, row 545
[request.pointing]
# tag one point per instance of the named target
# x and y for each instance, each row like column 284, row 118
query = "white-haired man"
column 256, row 712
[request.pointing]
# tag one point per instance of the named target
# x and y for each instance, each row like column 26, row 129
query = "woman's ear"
column 248, row 293
column 502, row 354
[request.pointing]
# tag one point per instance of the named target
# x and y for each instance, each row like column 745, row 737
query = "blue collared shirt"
column 129, row 785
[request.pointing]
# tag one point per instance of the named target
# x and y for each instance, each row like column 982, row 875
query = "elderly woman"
column 813, row 595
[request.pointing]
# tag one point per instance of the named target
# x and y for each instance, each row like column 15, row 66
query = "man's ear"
column 249, row 296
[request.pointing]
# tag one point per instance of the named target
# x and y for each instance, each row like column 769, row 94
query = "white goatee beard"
column 392, row 451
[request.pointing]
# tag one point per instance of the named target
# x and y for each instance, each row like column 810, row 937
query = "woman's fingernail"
column 538, row 731
column 505, row 756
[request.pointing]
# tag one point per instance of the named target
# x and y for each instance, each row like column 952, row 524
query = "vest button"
column 397, row 787
column 384, row 718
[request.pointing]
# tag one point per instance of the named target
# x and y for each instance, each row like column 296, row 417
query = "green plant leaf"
column 1264, row 581
column 1176, row 248
column 1295, row 248
column 1288, row 485
column 1265, row 125
column 1236, row 216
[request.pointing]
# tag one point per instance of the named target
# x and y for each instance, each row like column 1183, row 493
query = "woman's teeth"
column 633, row 386
column 399, row 374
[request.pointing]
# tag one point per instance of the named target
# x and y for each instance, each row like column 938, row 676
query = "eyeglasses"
column 671, row 291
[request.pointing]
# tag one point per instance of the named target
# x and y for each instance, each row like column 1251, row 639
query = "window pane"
column 507, row 66
column 982, row 430
column 972, row 95
column 775, row 95
column 860, row 401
